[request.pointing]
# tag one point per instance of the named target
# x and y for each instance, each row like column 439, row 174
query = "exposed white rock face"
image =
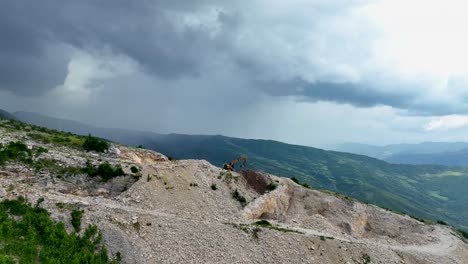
column 273, row 205
column 172, row 214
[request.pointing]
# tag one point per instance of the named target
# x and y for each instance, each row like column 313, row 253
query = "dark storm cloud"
column 360, row 95
column 38, row 39
column 143, row 31
column 27, row 65
column 401, row 95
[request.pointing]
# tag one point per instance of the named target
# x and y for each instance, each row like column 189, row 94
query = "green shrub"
column 15, row 207
column 39, row 201
column 440, row 222
column 16, row 151
column 366, row 259
column 134, row 169
column 76, row 216
column 263, row 223
column 271, row 186
column 36, row 238
column 104, row 170
column 40, row 150
column 294, row 179
column 94, row 144
column 214, row 187
column 237, row 196
column 7, row 260
column 305, row 185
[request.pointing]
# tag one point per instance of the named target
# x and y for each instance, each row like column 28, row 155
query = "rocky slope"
column 185, row 212
column 426, row 191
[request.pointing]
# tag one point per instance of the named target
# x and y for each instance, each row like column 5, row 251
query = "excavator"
column 230, row 166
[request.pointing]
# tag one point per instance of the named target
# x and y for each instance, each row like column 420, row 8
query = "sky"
column 310, row 72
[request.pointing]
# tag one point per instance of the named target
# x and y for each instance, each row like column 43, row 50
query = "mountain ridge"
column 433, row 192
column 424, row 153
column 447, row 158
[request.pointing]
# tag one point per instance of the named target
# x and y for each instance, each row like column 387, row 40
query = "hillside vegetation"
column 36, row 238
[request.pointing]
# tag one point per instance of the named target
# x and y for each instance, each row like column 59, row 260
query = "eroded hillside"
column 189, row 211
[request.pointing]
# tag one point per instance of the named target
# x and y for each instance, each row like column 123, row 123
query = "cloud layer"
column 224, row 60
column 319, row 50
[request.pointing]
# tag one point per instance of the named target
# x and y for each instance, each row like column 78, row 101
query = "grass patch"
column 36, row 238
column 54, row 167
column 58, row 138
column 76, row 216
column 238, row 197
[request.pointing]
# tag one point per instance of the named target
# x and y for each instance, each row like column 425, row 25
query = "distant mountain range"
column 438, row 153
column 433, row 192
column 4, row 114
column 449, row 158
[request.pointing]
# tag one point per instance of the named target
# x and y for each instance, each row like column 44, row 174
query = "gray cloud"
column 29, row 62
column 360, row 95
column 145, row 32
column 281, row 51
